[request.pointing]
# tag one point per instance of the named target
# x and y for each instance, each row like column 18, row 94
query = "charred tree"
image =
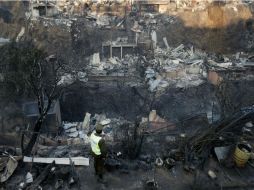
column 33, row 74
column 44, row 86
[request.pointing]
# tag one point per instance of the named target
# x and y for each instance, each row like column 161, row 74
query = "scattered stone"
column 29, row 178
column 212, row 174
column 249, row 124
column 105, row 122
column 159, row 161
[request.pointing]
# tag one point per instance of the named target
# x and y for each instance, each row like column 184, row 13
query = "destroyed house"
column 151, row 5
column 53, row 119
column 120, row 47
column 43, row 9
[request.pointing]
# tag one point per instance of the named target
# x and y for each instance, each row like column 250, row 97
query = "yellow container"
column 242, row 155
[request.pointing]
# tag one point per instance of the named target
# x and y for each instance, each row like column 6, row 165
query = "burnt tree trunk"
column 33, row 139
column 37, row 127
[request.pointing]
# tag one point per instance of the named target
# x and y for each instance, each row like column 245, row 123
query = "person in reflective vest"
column 98, row 149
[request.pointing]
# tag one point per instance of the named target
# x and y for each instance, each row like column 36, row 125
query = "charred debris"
column 173, row 92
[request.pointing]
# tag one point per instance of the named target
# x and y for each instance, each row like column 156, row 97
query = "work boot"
column 101, row 180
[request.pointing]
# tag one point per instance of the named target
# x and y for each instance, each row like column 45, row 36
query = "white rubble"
column 179, row 67
column 21, row 33
column 29, row 178
column 66, row 79
column 86, row 121
column 105, row 122
column 103, row 20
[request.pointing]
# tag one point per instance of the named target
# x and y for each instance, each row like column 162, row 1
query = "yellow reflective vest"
column 94, row 140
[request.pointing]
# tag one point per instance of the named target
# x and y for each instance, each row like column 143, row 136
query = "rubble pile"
column 192, row 5
column 106, row 21
column 226, row 132
column 184, row 67
column 96, row 13
column 63, row 23
column 113, row 66
column 78, row 132
column 185, row 149
column 70, row 77
column 238, row 60
column 74, row 134
column 152, row 21
column 196, row 145
column 180, row 67
column 156, row 141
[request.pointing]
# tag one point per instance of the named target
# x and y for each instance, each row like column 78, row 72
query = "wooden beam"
column 78, row 161
column 43, row 175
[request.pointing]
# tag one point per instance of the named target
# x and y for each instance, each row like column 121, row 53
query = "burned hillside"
column 147, row 91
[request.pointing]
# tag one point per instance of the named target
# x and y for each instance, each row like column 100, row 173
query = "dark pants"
column 99, row 165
